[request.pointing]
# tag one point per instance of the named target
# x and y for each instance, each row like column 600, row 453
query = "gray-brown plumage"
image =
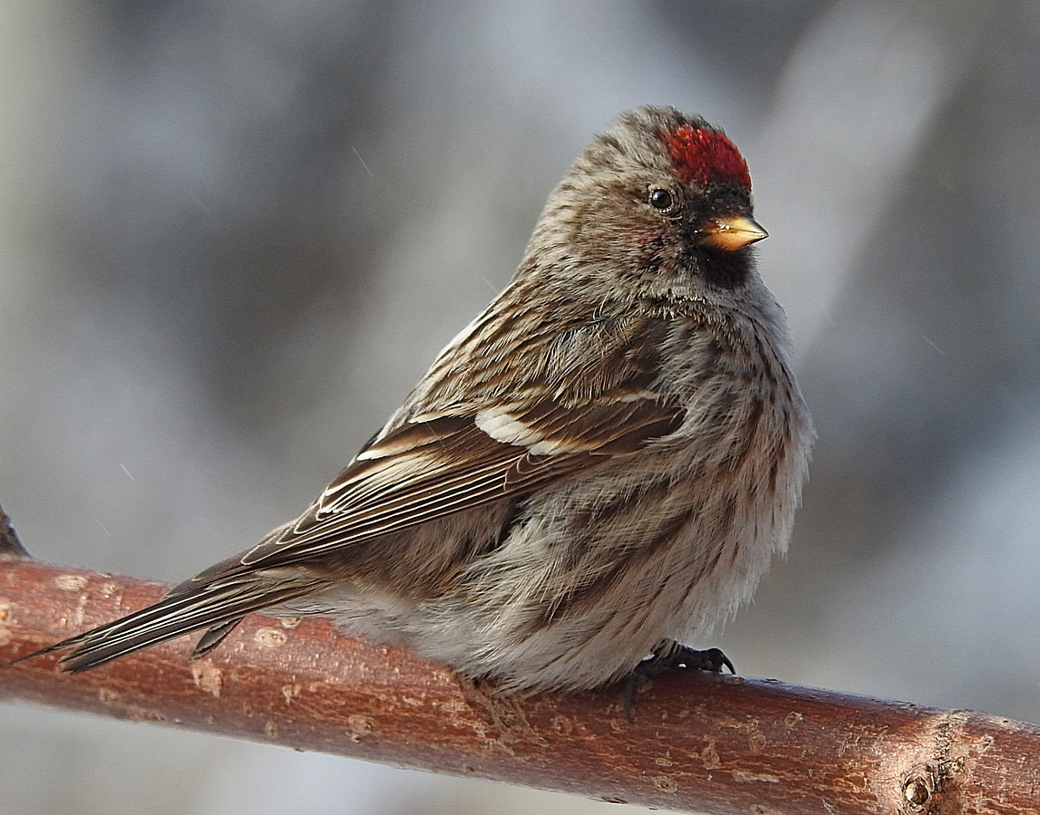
column 602, row 463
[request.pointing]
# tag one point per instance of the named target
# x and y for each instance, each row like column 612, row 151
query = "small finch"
column 597, row 469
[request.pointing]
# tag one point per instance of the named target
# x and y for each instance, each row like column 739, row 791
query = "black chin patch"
column 725, row 270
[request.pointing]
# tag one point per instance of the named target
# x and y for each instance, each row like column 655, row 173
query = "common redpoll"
column 599, row 467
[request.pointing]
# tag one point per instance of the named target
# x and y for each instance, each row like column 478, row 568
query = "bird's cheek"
column 651, row 251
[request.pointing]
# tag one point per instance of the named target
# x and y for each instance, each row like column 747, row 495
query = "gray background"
column 234, row 232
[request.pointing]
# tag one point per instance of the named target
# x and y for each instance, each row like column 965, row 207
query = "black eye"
column 661, row 199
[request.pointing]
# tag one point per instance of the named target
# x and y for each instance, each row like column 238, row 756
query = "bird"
column 593, row 474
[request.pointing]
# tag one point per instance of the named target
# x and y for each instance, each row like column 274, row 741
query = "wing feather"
column 416, row 475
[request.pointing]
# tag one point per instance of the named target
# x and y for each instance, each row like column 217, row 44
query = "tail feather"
column 217, row 606
column 212, row 638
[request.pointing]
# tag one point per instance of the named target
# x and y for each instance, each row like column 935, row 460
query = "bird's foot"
column 666, row 658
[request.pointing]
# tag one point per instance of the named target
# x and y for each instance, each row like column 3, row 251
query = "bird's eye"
column 661, row 200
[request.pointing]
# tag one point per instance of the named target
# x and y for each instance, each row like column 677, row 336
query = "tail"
column 214, row 600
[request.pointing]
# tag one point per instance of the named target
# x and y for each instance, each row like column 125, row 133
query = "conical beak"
column 730, row 232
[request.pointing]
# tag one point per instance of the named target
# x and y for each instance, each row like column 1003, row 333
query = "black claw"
column 667, row 658
column 710, row 659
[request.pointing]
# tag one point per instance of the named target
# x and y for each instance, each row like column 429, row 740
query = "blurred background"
column 233, row 233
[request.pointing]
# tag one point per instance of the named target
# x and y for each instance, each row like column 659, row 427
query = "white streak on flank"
column 548, row 448
column 506, row 428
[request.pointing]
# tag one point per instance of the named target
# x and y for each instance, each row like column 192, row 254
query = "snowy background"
column 234, row 232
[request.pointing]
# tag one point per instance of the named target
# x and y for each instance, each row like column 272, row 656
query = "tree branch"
column 699, row 742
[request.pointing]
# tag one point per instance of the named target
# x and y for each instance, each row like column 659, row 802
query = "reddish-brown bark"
column 699, row 742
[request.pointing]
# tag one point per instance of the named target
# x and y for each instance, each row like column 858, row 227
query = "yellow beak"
column 730, row 232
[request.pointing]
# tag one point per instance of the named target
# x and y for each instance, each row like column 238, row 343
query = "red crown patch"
column 704, row 155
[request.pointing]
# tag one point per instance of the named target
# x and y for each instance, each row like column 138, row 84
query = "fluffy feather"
column 603, row 462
